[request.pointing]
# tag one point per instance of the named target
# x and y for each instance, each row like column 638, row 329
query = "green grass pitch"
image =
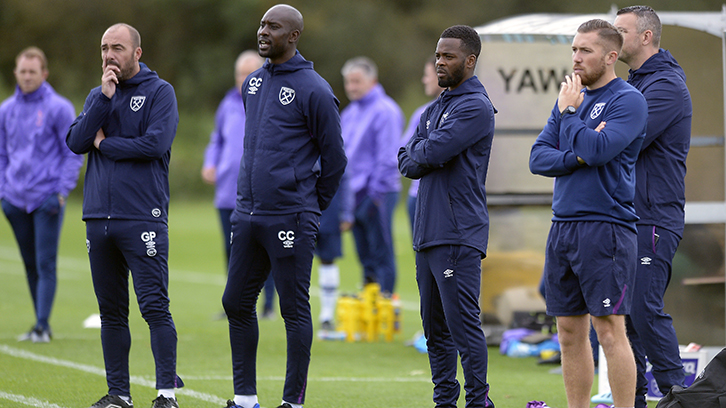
column 69, row 372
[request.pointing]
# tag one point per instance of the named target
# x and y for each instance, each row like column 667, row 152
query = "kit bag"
column 707, row 391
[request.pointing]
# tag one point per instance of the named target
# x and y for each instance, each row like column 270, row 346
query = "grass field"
column 69, row 371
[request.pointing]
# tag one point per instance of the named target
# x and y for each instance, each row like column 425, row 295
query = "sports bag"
column 707, row 391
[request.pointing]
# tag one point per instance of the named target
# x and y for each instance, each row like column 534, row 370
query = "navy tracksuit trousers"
column 114, row 248
column 650, row 329
column 282, row 245
column 449, row 279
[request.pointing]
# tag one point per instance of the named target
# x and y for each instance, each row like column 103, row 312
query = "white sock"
column 167, row 393
column 245, row 401
column 125, row 398
column 329, row 280
column 292, row 405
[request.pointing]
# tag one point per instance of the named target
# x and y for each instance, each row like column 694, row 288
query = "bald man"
column 127, row 127
column 292, row 164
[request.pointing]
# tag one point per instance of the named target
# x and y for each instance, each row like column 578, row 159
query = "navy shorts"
column 590, row 268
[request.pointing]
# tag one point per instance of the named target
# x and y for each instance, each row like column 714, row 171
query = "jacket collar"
column 38, row 94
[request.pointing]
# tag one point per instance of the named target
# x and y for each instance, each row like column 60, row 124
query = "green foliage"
column 193, row 45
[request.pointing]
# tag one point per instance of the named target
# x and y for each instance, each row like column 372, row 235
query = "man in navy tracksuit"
column 590, row 144
column 449, row 153
column 127, row 127
column 291, row 167
column 660, row 194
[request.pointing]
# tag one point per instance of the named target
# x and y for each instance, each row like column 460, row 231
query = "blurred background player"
column 37, row 171
column 371, row 124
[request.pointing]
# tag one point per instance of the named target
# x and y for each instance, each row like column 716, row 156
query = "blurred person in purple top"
column 37, row 171
column 432, row 89
column 224, row 152
column 371, row 124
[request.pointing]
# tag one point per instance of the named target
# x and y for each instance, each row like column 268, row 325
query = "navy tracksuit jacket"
column 125, row 206
column 449, row 152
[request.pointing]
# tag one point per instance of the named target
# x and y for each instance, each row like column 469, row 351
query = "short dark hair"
column 610, row 37
column 471, row 43
column 647, row 19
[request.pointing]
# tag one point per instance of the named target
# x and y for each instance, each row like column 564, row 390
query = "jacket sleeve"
column 324, row 126
column 461, row 129
column 82, row 131
column 213, row 153
column 626, row 112
column 547, row 157
column 70, row 162
column 406, row 166
column 665, row 99
column 160, row 131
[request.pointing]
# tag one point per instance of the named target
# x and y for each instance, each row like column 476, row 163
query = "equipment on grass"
column 369, row 315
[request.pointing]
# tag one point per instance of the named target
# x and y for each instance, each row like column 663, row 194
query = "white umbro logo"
column 606, row 302
column 287, row 238
column 255, row 84
column 448, row 273
column 645, row 260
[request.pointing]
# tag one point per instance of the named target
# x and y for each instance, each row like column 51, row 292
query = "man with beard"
column 449, row 153
column 291, row 167
column 660, row 194
column 590, row 144
column 127, row 127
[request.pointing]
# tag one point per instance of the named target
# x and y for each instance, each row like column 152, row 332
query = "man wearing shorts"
column 590, row 144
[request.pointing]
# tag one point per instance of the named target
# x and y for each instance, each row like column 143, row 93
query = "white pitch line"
column 33, row 402
column 138, row 380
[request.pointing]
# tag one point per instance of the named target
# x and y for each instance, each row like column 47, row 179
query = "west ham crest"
column 287, row 95
column 597, row 110
column 137, row 102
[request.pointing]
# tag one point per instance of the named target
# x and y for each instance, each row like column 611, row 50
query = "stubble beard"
column 454, row 78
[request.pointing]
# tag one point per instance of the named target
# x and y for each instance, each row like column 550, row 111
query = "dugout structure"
column 523, row 60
